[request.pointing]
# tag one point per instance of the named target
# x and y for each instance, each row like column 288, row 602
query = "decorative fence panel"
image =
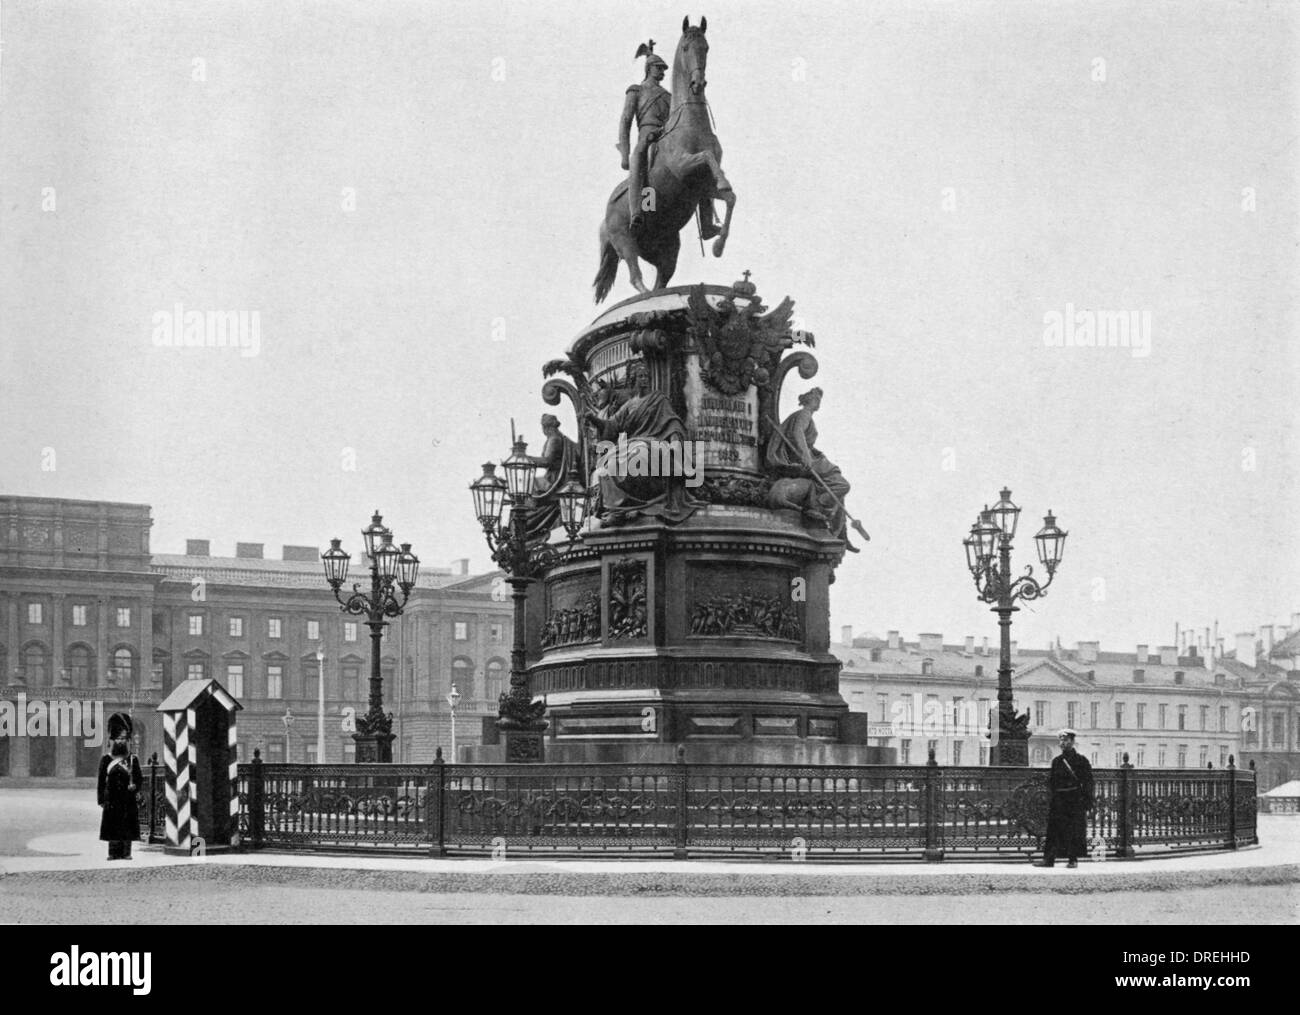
column 679, row 810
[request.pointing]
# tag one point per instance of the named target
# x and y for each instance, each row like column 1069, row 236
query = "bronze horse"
column 684, row 172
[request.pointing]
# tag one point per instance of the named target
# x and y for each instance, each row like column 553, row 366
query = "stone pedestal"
column 374, row 748
column 709, row 627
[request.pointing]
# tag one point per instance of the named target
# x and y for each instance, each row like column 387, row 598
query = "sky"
column 408, row 194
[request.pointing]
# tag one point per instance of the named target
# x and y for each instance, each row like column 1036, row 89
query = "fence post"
column 255, row 798
column 436, row 812
column 933, row 840
column 1124, row 841
column 153, row 795
column 1232, row 801
column 682, row 846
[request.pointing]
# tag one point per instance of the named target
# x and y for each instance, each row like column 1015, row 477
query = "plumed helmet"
column 652, row 59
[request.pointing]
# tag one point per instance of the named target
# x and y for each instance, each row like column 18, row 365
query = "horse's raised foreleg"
column 729, row 196
column 721, row 189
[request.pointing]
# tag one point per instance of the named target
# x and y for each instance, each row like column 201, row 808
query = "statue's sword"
column 857, row 525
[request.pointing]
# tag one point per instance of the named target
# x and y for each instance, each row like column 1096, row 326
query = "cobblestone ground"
column 45, row 899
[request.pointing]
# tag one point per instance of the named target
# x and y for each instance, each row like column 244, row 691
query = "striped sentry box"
column 183, row 745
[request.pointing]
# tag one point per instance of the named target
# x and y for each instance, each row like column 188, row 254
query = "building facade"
column 90, row 619
column 1167, row 708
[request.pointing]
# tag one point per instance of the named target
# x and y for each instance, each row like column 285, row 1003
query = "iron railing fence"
column 699, row 810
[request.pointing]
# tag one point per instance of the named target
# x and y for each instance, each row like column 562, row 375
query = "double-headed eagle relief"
column 674, row 172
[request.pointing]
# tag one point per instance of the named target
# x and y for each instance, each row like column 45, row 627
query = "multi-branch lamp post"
column 988, row 555
column 391, row 569
column 504, row 508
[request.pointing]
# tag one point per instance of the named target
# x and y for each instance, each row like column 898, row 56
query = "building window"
column 1205, row 755
column 235, row 679
column 1095, row 752
column 349, row 631
column 905, row 749
column 273, row 627
column 1042, row 714
column 275, row 681
column 956, row 752
column 1279, row 730
column 1119, row 755
column 349, row 751
column 156, row 674
column 236, row 627
column 984, row 755
column 350, row 674
column 1182, row 755
column 882, row 702
column 1141, row 715
column 124, row 666
column 194, row 671
column 1119, row 715
column 36, row 666
column 313, row 630
column 275, row 750
column 460, row 630
column 1223, row 756
column 1094, row 709
column 310, row 678
column 1182, row 717
column 498, row 631
column 123, row 616
column 957, row 716
column 79, row 666
column 196, row 624
column 856, row 701
column 931, row 749
column 1160, row 755
column 1178, row 676
column 1072, row 714
column 1141, row 755
column 79, row 615
column 34, row 613
column 1161, row 712
column 311, row 754
column 927, row 667
column 462, row 675
column 1223, row 718
column 1139, row 676
column 1205, row 717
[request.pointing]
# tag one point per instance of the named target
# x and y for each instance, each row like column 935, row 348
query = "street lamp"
column 503, row 508
column 391, row 568
column 287, row 719
column 453, row 699
column 320, row 713
column 988, row 556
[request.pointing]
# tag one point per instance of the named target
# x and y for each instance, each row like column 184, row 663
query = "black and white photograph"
column 485, row 463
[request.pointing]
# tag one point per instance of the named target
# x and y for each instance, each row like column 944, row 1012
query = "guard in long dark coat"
column 1070, row 783
column 119, row 778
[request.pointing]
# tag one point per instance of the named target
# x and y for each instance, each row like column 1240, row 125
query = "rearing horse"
column 684, row 172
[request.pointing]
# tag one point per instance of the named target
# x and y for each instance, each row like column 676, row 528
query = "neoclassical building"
column 1165, row 708
column 88, row 614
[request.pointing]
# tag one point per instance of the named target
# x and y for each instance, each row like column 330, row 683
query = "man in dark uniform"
column 1070, row 783
column 119, row 778
column 648, row 103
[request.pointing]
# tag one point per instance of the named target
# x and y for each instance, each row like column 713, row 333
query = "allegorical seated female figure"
column 792, row 454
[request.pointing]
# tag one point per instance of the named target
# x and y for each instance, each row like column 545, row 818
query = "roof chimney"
column 970, row 644
column 1168, row 655
column 984, row 648
column 303, row 554
column 460, row 565
column 930, row 642
column 249, row 551
column 1266, row 639
column 893, row 639
column 1142, row 653
column 846, row 635
column 1246, row 649
column 1087, row 651
column 197, row 548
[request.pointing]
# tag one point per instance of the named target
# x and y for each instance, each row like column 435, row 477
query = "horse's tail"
column 604, row 280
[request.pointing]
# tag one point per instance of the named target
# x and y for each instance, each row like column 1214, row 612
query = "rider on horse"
column 649, row 104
